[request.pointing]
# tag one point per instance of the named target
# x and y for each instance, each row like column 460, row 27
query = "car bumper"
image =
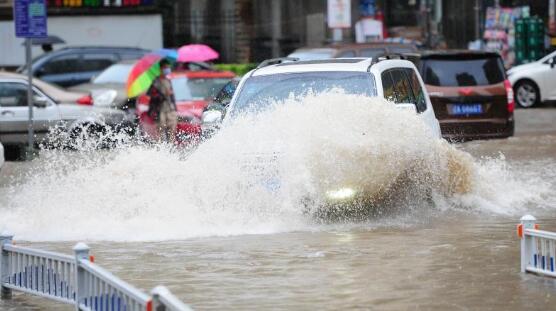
column 463, row 130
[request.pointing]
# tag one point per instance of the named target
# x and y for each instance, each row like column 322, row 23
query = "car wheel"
column 526, row 94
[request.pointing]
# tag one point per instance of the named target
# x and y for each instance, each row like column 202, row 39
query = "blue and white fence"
column 75, row 280
column 537, row 247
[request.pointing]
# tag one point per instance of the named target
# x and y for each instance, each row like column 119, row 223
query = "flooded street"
column 460, row 256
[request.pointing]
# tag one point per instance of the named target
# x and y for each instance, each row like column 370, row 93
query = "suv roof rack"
column 274, row 61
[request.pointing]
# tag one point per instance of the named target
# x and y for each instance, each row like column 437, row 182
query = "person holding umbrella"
column 162, row 106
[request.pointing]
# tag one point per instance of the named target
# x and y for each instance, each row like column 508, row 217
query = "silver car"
column 53, row 108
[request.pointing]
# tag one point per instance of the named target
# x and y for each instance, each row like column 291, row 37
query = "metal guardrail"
column 537, row 247
column 74, row 280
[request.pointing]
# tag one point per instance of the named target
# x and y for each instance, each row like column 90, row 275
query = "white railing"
column 537, row 247
column 38, row 272
column 74, row 280
column 164, row 300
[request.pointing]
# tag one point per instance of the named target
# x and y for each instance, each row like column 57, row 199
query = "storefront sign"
column 339, row 13
column 367, row 8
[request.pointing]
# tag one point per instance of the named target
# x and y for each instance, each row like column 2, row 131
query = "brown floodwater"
column 426, row 259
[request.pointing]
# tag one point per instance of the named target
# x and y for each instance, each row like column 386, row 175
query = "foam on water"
column 252, row 177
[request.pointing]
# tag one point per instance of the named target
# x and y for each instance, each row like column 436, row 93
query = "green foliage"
column 238, row 69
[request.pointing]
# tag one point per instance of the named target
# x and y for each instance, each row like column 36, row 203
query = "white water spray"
column 253, row 176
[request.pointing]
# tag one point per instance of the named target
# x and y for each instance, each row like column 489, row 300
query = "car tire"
column 527, row 94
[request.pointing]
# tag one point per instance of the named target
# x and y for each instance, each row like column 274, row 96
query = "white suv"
column 397, row 80
column 535, row 82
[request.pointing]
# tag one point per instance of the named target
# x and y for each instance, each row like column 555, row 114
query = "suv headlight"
column 341, row 194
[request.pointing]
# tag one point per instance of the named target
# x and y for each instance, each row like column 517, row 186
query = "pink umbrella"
column 196, row 53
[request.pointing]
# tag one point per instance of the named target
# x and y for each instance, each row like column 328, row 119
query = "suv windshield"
column 463, row 72
column 259, row 92
column 197, row 88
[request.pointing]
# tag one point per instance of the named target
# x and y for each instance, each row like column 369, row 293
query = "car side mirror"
column 210, row 122
column 40, row 102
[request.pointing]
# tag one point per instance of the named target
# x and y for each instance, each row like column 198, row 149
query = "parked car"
column 535, row 82
column 192, row 92
column 53, row 108
column 108, row 89
column 75, row 65
column 352, row 50
column 393, row 79
column 470, row 94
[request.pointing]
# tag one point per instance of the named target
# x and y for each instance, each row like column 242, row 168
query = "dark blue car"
column 75, row 65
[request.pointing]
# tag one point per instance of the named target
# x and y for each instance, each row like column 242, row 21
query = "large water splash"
column 261, row 174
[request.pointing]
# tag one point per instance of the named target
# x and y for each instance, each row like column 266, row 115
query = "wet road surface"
column 428, row 260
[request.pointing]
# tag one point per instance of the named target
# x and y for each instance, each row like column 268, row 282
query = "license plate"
column 466, row 109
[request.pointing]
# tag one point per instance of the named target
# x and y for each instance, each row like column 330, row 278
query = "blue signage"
column 30, row 18
column 367, row 8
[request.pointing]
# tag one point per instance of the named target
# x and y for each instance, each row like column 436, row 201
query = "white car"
column 383, row 73
column 53, row 107
column 394, row 79
column 535, row 82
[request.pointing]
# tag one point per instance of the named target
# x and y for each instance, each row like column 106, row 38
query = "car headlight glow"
column 340, row 194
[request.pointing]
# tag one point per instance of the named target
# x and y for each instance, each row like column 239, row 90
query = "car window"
column 417, row 90
column 62, row 64
column 260, row 93
column 197, row 88
column 372, row 52
column 226, row 93
column 463, row 72
column 402, row 87
column 13, row 94
column 97, row 61
column 397, row 87
column 388, row 87
column 349, row 53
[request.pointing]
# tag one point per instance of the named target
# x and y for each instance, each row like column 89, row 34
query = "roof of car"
column 101, row 47
column 208, row 74
column 53, row 91
column 334, row 64
column 343, row 46
column 453, row 53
